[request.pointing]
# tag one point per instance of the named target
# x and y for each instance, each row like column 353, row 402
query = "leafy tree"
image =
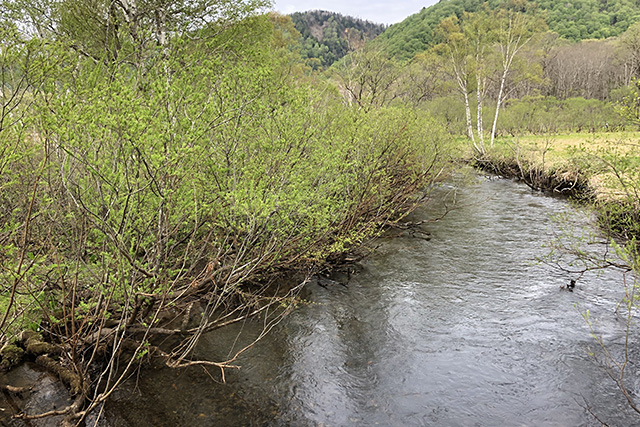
column 368, row 77
column 424, row 78
column 457, row 51
column 159, row 178
column 468, row 48
column 630, row 50
column 479, row 32
column 514, row 31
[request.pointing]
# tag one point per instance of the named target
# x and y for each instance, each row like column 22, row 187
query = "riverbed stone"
column 46, row 394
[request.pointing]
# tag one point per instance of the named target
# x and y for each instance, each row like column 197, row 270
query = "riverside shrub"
column 196, row 174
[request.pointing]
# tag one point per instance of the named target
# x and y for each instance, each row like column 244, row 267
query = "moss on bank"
column 10, row 356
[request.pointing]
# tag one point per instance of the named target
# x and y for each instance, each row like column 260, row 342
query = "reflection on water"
column 463, row 329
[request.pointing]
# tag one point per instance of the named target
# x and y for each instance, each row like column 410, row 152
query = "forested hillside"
column 499, row 71
column 573, row 20
column 328, row 36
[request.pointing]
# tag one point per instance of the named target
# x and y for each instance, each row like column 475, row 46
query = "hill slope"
column 572, row 19
column 328, row 36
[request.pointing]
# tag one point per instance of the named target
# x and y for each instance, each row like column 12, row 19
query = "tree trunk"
column 498, row 105
column 480, row 85
column 467, row 110
column 480, row 125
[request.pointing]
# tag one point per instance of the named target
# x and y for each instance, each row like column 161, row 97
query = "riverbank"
column 459, row 329
column 136, row 260
column 537, row 162
column 600, row 169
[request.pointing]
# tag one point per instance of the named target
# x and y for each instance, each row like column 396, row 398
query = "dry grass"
column 586, row 153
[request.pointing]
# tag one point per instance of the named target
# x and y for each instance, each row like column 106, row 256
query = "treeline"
column 163, row 168
column 536, row 115
column 499, row 71
column 327, row 36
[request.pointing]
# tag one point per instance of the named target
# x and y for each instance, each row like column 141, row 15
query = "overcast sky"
column 378, row 11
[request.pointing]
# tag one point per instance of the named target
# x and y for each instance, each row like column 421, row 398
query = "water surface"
column 463, row 329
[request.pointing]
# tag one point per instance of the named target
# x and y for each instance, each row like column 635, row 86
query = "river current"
column 464, row 328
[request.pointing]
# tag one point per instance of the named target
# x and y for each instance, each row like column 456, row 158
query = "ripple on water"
column 462, row 330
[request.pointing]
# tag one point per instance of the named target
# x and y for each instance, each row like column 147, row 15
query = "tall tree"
column 127, row 30
column 456, row 48
column 424, row 78
column 630, row 46
column 368, row 77
column 514, row 31
column 467, row 44
column 479, row 31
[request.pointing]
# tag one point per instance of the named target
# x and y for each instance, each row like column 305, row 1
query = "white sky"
column 378, row 11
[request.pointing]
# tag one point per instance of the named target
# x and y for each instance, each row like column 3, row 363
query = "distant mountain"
column 328, row 36
column 572, row 19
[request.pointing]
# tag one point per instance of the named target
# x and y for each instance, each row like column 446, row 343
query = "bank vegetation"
column 170, row 168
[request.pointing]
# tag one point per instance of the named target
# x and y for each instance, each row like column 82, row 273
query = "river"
column 462, row 329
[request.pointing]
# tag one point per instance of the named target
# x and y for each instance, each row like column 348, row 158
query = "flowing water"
column 463, row 329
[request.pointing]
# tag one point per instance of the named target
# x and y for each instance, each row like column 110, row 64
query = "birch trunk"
column 468, row 115
column 517, row 34
column 462, row 87
column 480, row 126
column 498, row 105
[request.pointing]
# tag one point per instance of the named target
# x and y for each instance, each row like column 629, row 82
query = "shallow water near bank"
column 463, row 329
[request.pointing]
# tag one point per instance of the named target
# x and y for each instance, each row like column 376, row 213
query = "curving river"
column 463, row 329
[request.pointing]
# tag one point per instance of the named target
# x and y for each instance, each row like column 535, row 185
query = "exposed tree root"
column 70, row 411
column 67, row 376
column 536, row 178
column 12, row 389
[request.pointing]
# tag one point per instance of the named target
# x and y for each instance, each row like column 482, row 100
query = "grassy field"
column 610, row 161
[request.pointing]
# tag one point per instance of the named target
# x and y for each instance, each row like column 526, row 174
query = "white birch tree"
column 467, row 46
column 514, row 31
column 456, row 48
column 479, row 33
